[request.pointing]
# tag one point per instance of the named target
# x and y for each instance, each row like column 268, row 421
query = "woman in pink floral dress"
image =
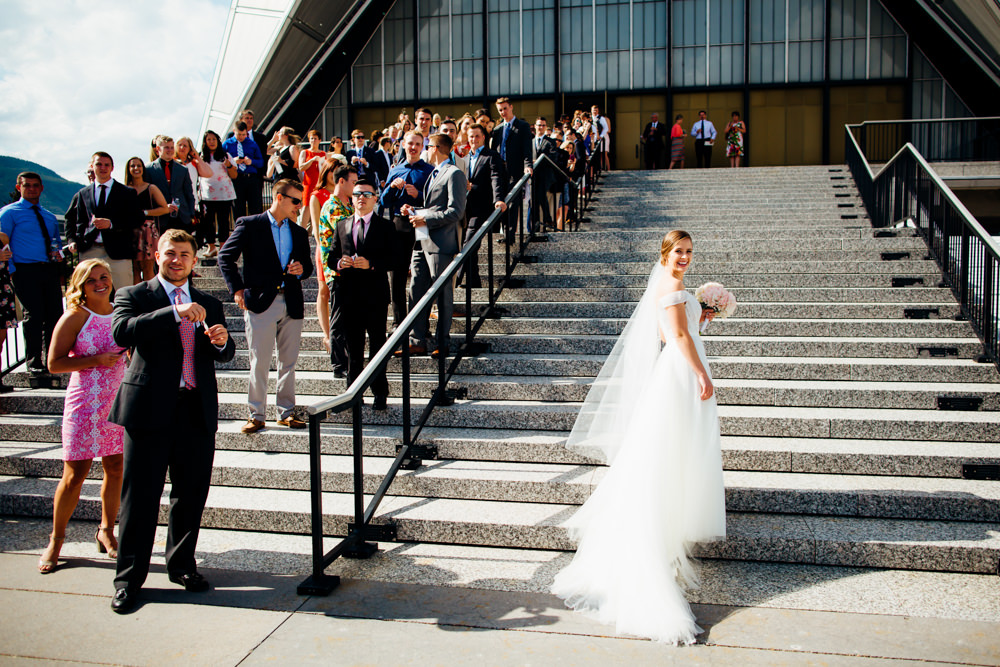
column 82, row 344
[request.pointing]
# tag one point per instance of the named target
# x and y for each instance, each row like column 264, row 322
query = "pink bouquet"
column 715, row 297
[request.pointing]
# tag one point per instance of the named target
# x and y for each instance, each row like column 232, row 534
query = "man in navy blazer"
column 168, row 403
column 512, row 140
column 276, row 259
column 488, row 182
column 102, row 219
column 363, row 252
column 361, row 156
column 382, row 162
column 174, row 181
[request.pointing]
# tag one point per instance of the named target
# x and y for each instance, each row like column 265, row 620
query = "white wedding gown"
column 663, row 490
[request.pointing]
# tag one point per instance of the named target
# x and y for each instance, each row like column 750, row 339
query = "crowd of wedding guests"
column 388, row 212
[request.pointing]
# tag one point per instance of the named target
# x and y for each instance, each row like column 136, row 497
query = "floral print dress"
column 86, row 431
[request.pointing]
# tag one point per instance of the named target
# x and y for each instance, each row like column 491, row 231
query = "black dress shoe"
column 124, row 601
column 192, row 581
column 339, row 373
column 381, row 403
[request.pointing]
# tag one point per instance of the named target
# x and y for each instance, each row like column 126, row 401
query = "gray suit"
column 444, row 210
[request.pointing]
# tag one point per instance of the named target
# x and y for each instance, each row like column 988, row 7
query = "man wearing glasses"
column 360, row 156
column 363, row 250
column 276, row 259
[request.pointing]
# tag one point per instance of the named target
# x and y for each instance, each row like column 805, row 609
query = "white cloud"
column 79, row 76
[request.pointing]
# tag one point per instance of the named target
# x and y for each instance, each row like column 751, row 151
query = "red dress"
column 311, row 175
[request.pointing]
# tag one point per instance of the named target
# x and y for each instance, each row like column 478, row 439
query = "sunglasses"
column 294, row 200
column 363, row 195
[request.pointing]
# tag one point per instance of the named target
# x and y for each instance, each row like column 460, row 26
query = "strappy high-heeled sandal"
column 112, row 552
column 47, row 566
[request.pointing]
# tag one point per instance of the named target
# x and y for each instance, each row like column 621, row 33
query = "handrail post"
column 358, row 548
column 318, row 582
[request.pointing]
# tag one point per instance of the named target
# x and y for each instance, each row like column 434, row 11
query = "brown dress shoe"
column 252, row 426
column 415, row 351
column 292, row 422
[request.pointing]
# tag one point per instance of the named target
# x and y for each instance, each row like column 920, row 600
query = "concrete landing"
column 478, row 610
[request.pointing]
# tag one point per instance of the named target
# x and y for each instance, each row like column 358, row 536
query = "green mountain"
column 58, row 191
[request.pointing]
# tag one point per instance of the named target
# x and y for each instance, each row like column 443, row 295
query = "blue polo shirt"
column 19, row 222
column 393, row 198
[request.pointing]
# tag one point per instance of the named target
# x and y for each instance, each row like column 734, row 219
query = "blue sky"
column 77, row 76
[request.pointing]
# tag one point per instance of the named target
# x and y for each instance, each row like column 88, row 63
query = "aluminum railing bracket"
column 318, row 585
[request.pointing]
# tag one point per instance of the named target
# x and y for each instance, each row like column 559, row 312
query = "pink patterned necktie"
column 187, row 342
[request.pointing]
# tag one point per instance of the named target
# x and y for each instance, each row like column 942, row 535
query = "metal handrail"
column 974, row 139
column 906, row 188
column 355, row 544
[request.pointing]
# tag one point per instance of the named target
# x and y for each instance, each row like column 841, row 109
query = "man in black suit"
column 102, row 219
column 544, row 177
column 652, row 139
column 488, row 182
column 512, row 140
column 276, row 259
column 174, row 181
column 168, row 403
column 382, row 161
column 363, row 252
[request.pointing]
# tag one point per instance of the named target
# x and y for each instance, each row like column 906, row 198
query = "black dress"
column 286, row 165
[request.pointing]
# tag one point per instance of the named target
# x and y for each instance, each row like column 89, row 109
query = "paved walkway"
column 253, row 618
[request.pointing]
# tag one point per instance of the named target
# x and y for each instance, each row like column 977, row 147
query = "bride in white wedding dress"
column 652, row 415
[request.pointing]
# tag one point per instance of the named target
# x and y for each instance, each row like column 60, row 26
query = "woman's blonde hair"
column 669, row 241
column 74, row 290
column 191, row 149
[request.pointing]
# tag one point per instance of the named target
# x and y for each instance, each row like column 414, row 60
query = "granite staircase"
column 850, row 395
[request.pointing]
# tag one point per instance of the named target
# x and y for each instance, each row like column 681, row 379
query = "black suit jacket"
column 545, row 176
column 144, row 321
column 122, row 208
column 364, row 288
column 381, row 165
column 489, row 185
column 179, row 188
column 653, row 138
column 518, row 147
column 366, row 153
column 262, row 272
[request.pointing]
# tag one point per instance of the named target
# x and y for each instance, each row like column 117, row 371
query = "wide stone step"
column 734, row 281
column 32, row 448
column 757, row 420
column 849, row 541
column 707, row 269
column 736, row 326
column 764, row 492
column 747, row 310
column 792, row 346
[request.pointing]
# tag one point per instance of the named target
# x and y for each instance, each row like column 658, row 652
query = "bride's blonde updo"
column 669, row 241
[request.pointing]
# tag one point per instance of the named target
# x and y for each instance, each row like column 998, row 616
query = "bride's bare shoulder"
column 668, row 284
